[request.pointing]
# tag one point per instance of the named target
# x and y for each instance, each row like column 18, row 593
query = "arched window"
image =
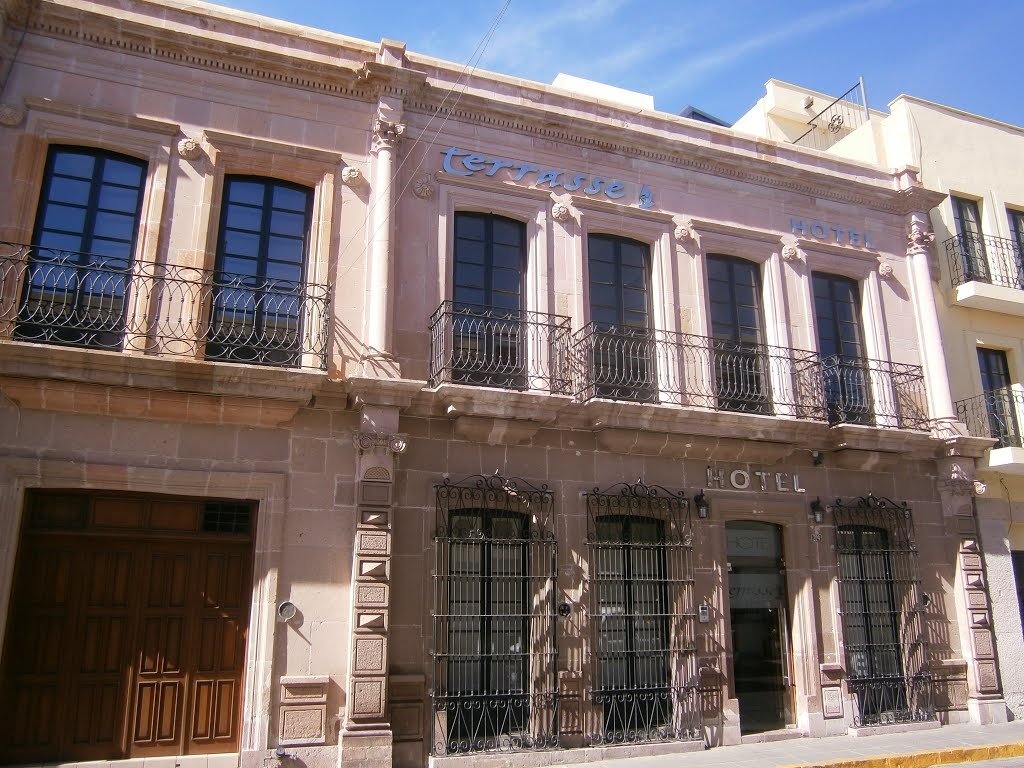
column 621, row 336
column 84, row 240
column 259, row 284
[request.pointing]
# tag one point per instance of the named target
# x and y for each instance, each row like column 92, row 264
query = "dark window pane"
column 120, row 172
column 65, row 218
column 74, row 191
column 291, row 199
column 74, row 164
column 244, row 217
column 285, row 249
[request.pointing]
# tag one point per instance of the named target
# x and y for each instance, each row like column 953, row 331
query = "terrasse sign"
column 461, row 162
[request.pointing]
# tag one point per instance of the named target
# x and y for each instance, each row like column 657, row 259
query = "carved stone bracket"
column 684, row 232
column 189, row 148
column 885, row 271
column 11, row 115
column 791, row 254
column 423, row 186
column 387, row 134
column 352, row 177
column 561, row 212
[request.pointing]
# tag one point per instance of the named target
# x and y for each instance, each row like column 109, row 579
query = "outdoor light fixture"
column 700, row 501
column 818, row 510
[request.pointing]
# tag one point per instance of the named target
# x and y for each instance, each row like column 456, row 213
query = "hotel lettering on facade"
column 358, row 412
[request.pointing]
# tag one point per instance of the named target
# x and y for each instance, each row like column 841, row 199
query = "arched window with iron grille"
column 494, row 651
column 641, row 616
column 881, row 603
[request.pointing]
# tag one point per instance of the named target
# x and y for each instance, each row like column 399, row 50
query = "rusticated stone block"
column 371, row 654
column 367, row 697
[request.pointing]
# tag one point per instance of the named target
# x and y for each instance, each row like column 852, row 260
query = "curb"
column 925, row 759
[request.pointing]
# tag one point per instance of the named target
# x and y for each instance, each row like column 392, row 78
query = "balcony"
column 987, row 273
column 489, row 347
column 88, row 300
column 683, row 369
column 997, row 414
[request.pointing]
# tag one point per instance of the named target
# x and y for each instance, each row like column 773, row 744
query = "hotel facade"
column 359, row 409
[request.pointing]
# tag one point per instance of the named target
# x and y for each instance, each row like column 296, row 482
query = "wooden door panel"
column 128, row 645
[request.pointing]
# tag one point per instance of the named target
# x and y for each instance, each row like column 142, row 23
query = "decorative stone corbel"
column 369, row 441
column 684, row 232
column 352, row 177
column 189, row 148
column 885, row 271
column 561, row 212
column 423, row 186
column 11, row 115
column 791, row 254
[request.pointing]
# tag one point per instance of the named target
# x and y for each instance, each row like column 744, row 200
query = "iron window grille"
column 495, row 686
column 641, row 617
column 881, row 606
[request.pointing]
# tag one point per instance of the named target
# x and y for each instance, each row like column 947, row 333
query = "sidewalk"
column 915, row 749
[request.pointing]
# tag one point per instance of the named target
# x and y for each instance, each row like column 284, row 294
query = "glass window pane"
column 121, row 172
column 290, row 199
column 75, row 191
column 250, row 192
column 244, row 217
column 74, row 164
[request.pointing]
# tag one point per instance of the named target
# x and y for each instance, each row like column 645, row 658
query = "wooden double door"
column 127, row 630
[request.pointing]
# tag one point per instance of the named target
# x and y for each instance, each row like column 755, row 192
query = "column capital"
column 920, row 235
column 386, row 134
column 372, row 441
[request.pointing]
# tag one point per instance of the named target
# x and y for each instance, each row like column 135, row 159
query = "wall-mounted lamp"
column 700, row 501
column 818, row 510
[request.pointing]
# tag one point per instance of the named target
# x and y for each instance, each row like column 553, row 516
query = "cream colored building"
column 356, row 411
column 978, row 279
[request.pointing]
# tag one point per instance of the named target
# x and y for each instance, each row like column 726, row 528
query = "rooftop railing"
column 985, row 259
column 90, row 300
column 837, row 120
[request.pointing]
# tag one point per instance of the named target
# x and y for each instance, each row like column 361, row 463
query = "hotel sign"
column 821, row 230
column 461, row 162
column 746, row 480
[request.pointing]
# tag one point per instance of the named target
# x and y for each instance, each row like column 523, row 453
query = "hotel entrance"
column 760, row 625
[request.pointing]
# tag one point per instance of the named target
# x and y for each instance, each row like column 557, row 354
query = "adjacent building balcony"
column 997, row 414
column 987, row 273
column 89, row 300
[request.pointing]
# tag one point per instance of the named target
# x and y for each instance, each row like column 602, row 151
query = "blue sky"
column 713, row 55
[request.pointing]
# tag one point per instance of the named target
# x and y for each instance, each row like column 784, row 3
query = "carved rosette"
column 684, row 232
column 423, row 186
column 370, row 441
column 11, row 115
column 791, row 253
column 386, row 134
column 885, row 271
column 352, row 177
column 561, row 212
column 920, row 237
column 189, row 148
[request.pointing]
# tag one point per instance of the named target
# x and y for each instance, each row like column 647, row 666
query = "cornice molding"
column 217, row 55
column 105, row 116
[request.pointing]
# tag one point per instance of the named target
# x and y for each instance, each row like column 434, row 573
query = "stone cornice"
column 233, row 55
column 107, row 117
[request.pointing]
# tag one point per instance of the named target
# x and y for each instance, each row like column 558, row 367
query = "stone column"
column 919, row 241
column 985, row 701
column 378, row 358
column 366, row 738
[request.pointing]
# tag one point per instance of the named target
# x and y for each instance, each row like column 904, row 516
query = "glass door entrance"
column 760, row 625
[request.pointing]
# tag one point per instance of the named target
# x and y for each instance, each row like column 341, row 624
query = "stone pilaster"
column 973, row 601
column 366, row 739
column 387, row 132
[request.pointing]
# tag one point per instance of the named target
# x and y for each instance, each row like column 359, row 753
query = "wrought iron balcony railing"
column 651, row 366
column 683, row 369
column 875, row 393
column 995, row 413
column 985, row 259
column 490, row 347
column 89, row 300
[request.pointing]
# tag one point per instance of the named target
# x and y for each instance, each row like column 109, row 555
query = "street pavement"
column 973, row 746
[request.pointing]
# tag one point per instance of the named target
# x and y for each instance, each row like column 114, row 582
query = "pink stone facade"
column 346, row 447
